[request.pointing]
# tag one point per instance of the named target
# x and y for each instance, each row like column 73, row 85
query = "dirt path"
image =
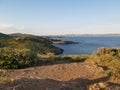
column 60, row 72
column 73, row 76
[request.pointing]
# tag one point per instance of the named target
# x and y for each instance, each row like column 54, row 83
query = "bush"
column 11, row 58
column 107, row 57
column 77, row 58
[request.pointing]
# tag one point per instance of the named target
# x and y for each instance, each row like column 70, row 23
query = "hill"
column 23, row 51
column 35, row 43
column 20, row 35
column 4, row 35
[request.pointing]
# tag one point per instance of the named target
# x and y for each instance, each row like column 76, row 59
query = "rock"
column 102, row 85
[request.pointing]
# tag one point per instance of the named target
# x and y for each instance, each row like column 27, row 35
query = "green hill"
column 34, row 43
column 22, row 51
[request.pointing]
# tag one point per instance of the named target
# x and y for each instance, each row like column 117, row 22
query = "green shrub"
column 12, row 58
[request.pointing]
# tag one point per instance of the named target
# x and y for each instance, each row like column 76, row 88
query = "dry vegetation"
column 109, row 60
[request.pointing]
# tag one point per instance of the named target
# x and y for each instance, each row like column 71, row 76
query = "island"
column 56, row 41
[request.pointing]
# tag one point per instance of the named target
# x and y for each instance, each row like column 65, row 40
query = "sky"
column 58, row 17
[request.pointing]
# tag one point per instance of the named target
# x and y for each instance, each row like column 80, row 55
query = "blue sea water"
column 88, row 44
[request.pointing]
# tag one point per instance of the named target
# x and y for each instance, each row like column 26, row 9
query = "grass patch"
column 50, row 57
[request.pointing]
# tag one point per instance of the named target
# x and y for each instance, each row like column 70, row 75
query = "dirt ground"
column 71, row 76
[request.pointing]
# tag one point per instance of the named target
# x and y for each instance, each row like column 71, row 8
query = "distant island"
column 77, row 35
column 56, row 41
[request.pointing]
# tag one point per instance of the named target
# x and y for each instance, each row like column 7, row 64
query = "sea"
column 88, row 44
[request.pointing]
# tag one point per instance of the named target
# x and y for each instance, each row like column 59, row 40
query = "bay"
column 88, row 44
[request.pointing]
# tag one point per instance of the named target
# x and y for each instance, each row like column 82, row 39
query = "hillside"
column 35, row 43
column 22, row 51
column 4, row 35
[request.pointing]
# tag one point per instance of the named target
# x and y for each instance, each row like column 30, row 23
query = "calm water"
column 89, row 44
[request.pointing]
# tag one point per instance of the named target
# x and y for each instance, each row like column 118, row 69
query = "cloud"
column 82, row 29
column 11, row 28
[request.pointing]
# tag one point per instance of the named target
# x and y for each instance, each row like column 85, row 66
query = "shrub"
column 77, row 58
column 12, row 58
column 107, row 57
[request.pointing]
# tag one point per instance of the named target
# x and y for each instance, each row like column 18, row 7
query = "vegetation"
column 21, row 51
column 40, row 45
column 51, row 58
column 12, row 58
column 109, row 59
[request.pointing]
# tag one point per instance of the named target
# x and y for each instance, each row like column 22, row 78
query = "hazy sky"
column 51, row 17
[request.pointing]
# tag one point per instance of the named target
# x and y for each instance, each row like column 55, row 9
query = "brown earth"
column 72, row 76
